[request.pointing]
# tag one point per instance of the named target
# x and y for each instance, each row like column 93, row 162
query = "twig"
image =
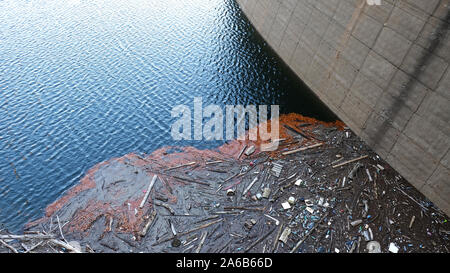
column 65, row 245
column 148, row 191
column 411, row 198
column 296, row 131
column 214, row 162
column 161, row 204
column 181, row 166
column 60, row 229
column 9, row 246
column 259, row 240
column 191, row 181
column 226, row 245
column 26, row 237
column 242, row 151
column 275, row 242
column 187, row 232
column 350, row 161
column 250, row 186
column 303, row 149
column 243, row 208
column 202, row 241
column 148, row 224
column 33, row 247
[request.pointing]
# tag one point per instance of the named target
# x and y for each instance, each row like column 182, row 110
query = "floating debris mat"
column 327, row 192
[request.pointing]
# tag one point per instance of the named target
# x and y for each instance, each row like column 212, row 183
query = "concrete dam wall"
column 383, row 69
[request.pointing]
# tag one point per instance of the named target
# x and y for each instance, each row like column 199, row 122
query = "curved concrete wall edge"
column 384, row 70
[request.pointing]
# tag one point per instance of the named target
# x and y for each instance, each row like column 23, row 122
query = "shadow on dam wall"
column 383, row 70
column 424, row 60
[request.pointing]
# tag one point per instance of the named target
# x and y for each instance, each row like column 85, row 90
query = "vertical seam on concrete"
column 321, row 36
column 321, row 39
column 271, row 25
column 300, row 37
column 288, row 61
column 314, row 52
column 286, row 27
column 343, row 43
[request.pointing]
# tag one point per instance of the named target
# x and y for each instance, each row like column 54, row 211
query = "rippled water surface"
column 82, row 81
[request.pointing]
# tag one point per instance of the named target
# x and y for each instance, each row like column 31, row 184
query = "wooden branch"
column 60, row 229
column 250, row 186
column 26, row 237
column 187, row 232
column 259, row 240
column 213, row 162
column 181, row 166
column 202, row 241
column 65, row 245
column 242, row 151
column 161, row 204
column 148, row 224
column 33, row 247
column 9, row 246
column 149, row 189
column 191, row 181
column 303, row 149
column 350, row 161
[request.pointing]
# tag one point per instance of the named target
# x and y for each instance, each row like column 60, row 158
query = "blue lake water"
column 82, row 81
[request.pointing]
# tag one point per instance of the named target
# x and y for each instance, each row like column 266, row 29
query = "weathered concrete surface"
column 382, row 69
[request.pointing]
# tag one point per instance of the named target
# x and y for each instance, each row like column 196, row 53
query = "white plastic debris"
column 230, row 192
column 270, row 217
column 356, row 222
column 250, row 151
column 250, row 186
column 321, row 200
column 291, row 200
column 286, row 205
column 368, row 175
column 298, row 182
column 393, row 248
column 285, row 235
column 266, row 193
column 310, row 210
column 373, row 247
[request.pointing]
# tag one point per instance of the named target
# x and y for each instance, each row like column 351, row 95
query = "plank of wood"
column 149, row 189
column 181, row 166
column 350, row 161
column 303, row 149
column 191, row 181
